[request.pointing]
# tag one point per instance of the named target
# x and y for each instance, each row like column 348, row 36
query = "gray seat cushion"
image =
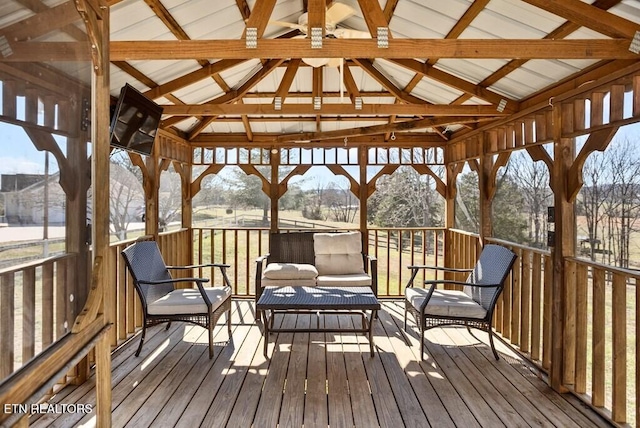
column 446, row 303
column 347, row 280
column 188, row 301
column 290, row 271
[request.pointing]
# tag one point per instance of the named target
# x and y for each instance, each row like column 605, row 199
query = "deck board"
column 323, row 379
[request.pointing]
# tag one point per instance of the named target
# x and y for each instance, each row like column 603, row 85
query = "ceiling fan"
column 335, row 14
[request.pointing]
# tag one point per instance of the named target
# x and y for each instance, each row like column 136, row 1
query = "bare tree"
column 125, row 195
column 344, row 205
column 533, row 179
column 593, row 198
column 623, row 207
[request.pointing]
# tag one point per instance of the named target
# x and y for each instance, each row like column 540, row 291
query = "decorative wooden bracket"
column 598, row 140
column 453, row 170
column 386, row 170
column 284, row 184
column 91, row 12
column 196, row 185
column 440, row 186
column 537, row 153
column 353, row 184
column 252, row 170
column 43, row 141
column 490, row 185
column 92, row 305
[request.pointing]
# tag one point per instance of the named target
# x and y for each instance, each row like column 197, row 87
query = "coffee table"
column 318, row 300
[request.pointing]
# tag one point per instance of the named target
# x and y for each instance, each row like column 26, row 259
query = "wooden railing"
column 601, row 337
column 36, row 308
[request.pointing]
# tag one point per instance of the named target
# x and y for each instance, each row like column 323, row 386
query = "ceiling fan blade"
column 347, row 33
column 338, row 12
column 334, row 62
column 302, row 28
column 316, row 62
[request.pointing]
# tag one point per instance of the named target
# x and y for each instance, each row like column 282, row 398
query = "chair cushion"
column 446, row 303
column 290, row 271
column 347, row 280
column 338, row 253
column 188, row 301
column 268, row 282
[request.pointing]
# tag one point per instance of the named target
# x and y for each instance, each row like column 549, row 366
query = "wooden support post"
column 274, row 193
column 363, row 196
column 103, row 382
column 485, row 184
column 565, row 235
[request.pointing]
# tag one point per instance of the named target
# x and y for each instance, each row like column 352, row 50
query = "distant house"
column 24, row 200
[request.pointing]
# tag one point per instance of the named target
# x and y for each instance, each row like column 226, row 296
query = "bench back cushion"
column 291, row 247
column 338, row 253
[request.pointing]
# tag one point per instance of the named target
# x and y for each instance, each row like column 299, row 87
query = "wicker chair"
column 472, row 307
column 162, row 302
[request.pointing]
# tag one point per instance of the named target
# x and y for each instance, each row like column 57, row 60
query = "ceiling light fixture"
column 502, row 105
column 277, row 103
column 358, row 103
column 317, row 103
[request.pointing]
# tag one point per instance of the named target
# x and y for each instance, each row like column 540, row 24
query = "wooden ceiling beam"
column 191, row 78
column 360, row 48
column 456, row 82
column 243, row 7
column 317, row 15
column 222, row 109
column 199, row 127
column 287, row 79
column 401, row 95
column 589, row 16
column 350, row 84
column 266, row 140
column 390, row 9
column 376, row 129
column 259, row 18
column 561, row 32
column 374, row 16
column 236, row 94
column 43, row 22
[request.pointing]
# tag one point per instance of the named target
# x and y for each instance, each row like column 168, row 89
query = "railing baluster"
column 598, row 338
column 7, row 320
column 581, row 330
column 619, row 327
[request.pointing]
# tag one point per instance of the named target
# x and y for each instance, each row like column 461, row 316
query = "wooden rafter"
column 216, row 108
column 559, row 33
column 259, row 17
column 359, row 48
column 43, row 22
column 287, row 79
column 376, row 129
column 456, row 82
column 374, row 16
column 591, row 17
column 367, row 65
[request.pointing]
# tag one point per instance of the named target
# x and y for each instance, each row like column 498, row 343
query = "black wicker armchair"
column 162, row 302
column 472, row 307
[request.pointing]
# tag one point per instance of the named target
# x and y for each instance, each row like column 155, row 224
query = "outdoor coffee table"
column 318, row 300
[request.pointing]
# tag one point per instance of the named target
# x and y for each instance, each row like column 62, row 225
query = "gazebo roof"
column 449, row 65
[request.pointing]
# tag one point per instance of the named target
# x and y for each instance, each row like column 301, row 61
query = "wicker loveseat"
column 316, row 259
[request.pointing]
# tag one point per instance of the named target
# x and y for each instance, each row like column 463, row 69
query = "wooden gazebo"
column 267, row 83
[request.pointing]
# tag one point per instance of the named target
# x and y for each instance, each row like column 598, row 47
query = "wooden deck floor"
column 320, row 380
